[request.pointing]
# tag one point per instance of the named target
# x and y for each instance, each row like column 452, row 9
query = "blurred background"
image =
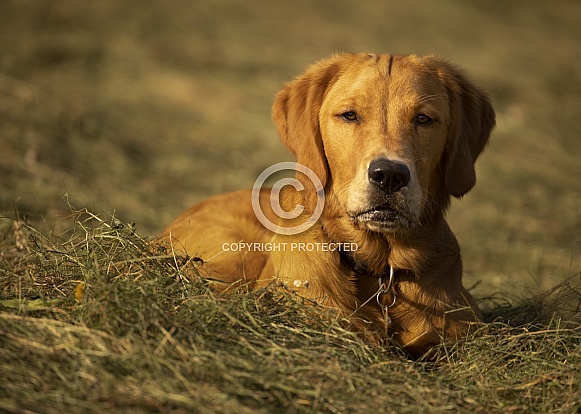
column 144, row 107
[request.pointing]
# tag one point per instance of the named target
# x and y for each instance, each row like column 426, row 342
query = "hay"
column 99, row 319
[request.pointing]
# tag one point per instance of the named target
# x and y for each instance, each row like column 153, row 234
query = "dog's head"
column 391, row 137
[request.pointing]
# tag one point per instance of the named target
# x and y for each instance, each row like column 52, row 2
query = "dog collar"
column 350, row 262
column 384, row 280
column 356, row 267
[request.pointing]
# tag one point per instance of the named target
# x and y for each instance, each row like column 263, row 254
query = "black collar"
column 350, row 262
column 356, row 267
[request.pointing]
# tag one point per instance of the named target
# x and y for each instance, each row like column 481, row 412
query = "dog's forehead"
column 378, row 75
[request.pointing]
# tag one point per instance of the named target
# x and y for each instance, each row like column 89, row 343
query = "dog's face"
column 384, row 128
column 392, row 137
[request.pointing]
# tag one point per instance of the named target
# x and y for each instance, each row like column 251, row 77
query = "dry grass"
column 96, row 319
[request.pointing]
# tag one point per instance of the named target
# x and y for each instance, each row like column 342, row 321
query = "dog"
column 391, row 138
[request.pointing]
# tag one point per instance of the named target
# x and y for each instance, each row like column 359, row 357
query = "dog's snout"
column 389, row 176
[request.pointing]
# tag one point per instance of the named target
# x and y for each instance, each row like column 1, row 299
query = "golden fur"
column 342, row 117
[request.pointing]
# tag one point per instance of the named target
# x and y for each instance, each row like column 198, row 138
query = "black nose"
column 389, row 176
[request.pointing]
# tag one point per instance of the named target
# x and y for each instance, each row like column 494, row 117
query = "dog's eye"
column 424, row 120
column 350, row 116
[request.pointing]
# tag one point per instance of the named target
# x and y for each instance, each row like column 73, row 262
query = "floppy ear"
column 472, row 120
column 295, row 113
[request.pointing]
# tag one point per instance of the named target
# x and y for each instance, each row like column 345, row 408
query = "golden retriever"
column 391, row 138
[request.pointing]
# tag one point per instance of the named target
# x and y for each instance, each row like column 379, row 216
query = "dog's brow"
column 427, row 98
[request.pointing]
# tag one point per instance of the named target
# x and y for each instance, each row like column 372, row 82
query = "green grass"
column 144, row 107
column 146, row 334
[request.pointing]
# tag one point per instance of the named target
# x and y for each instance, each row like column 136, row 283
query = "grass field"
column 142, row 108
